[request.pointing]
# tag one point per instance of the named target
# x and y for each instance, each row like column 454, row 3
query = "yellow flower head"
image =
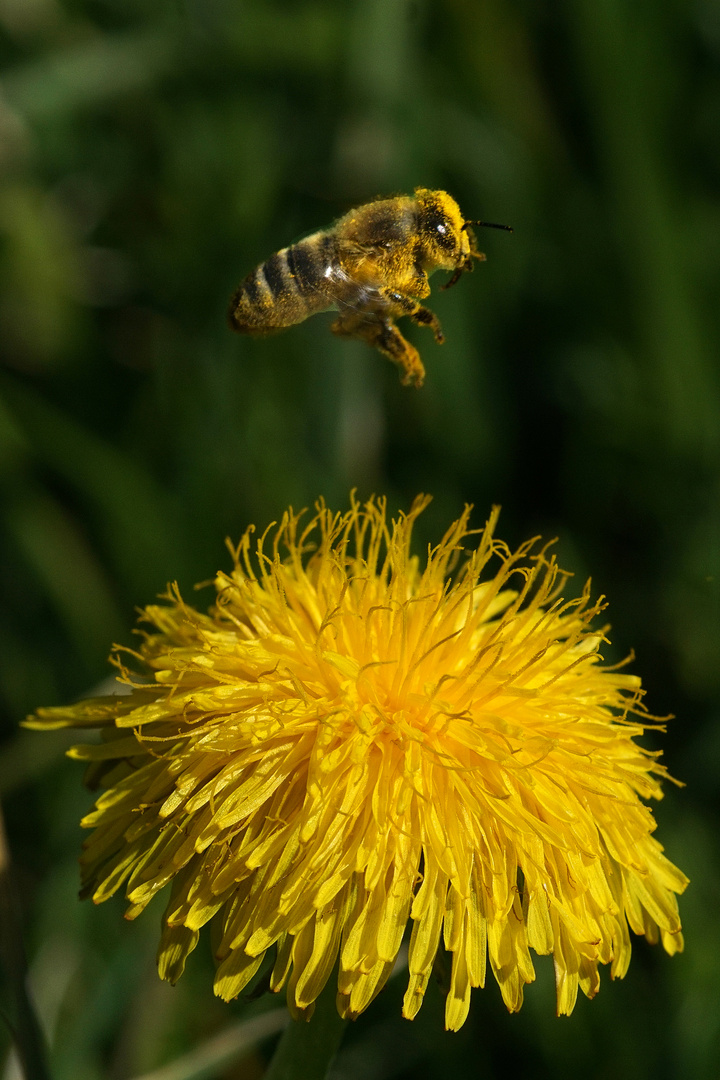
column 349, row 740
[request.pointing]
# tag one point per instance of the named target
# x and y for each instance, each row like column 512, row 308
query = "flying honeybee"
column 372, row 266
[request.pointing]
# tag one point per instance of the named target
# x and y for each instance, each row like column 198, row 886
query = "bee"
column 372, row 266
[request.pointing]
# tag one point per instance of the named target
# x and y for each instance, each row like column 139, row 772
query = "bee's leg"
column 381, row 333
column 420, row 285
column 419, row 314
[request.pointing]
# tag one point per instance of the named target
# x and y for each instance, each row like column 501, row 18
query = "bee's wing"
column 364, row 259
column 350, row 248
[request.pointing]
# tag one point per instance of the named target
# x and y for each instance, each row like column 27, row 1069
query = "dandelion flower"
column 351, row 741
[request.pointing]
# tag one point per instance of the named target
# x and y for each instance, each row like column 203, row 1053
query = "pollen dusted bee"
column 372, row 266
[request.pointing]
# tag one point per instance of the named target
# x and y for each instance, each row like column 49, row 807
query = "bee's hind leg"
column 405, row 305
column 381, row 333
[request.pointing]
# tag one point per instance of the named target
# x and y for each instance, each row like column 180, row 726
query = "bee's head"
column 447, row 239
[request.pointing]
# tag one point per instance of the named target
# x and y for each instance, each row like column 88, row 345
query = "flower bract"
column 353, row 742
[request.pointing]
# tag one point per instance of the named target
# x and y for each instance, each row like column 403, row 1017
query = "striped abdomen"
column 291, row 285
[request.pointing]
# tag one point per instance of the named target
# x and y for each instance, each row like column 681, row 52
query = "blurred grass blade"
column 26, row 1029
column 220, row 1050
column 308, row 1047
column 25, row 757
column 625, row 60
column 72, row 576
column 88, row 74
column 141, row 525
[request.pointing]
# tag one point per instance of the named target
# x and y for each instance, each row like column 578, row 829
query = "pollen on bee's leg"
column 426, row 317
column 391, row 342
column 384, row 335
column 413, row 372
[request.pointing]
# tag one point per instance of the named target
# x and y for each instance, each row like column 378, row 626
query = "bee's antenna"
column 487, row 225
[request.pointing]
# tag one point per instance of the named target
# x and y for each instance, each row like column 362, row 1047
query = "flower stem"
column 307, row 1048
column 26, row 1030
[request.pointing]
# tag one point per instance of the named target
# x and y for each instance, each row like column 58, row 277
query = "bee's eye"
column 441, row 232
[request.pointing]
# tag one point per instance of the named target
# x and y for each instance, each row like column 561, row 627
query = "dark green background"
column 151, row 154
